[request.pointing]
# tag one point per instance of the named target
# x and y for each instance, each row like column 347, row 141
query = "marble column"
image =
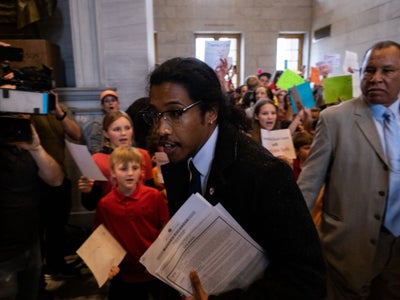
column 113, row 45
column 85, row 40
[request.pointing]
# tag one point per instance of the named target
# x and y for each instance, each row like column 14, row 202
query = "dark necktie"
column 194, row 180
column 391, row 133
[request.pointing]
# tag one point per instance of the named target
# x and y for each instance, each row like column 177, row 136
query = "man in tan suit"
column 348, row 155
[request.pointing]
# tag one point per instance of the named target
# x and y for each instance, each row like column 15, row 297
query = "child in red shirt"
column 134, row 214
column 117, row 130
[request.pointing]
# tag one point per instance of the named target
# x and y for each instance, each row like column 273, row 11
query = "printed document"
column 207, row 239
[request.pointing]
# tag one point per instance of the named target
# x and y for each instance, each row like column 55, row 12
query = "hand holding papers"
column 100, row 252
column 350, row 61
column 301, row 96
column 214, row 51
column 207, row 239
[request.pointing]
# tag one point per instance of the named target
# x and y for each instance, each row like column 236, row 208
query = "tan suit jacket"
column 348, row 157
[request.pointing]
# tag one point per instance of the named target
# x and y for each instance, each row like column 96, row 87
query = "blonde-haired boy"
column 134, row 214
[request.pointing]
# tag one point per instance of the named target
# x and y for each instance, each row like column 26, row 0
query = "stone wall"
column 355, row 26
column 259, row 22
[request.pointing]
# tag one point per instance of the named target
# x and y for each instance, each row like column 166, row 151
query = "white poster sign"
column 214, row 51
column 278, row 142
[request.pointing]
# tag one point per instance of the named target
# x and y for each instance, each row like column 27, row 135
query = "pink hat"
column 108, row 93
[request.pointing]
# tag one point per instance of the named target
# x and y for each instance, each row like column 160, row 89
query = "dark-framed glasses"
column 152, row 117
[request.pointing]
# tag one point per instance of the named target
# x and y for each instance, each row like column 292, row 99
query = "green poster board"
column 338, row 86
column 289, row 79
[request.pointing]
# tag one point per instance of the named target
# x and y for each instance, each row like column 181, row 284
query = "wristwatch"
column 62, row 117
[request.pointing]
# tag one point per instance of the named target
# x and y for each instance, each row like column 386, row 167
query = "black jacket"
column 260, row 192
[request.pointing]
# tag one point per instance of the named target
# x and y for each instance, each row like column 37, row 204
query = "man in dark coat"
column 196, row 125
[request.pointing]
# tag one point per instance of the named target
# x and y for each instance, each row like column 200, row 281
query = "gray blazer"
column 347, row 156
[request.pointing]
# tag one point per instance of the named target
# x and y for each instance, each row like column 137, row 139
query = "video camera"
column 24, row 92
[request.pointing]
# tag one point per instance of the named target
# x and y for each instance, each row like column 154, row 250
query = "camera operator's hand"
column 57, row 111
column 34, row 145
column 49, row 170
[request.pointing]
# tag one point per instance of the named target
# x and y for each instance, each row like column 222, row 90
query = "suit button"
column 211, row 191
column 381, row 193
column 385, row 168
column 372, row 241
column 377, row 217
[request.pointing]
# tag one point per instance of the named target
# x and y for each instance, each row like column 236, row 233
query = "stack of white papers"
column 207, row 239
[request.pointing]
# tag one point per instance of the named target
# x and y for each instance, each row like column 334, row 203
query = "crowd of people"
column 327, row 220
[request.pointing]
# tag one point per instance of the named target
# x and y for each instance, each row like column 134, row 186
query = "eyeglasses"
column 171, row 116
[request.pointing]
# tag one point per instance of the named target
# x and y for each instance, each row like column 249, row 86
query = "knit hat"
column 108, row 93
